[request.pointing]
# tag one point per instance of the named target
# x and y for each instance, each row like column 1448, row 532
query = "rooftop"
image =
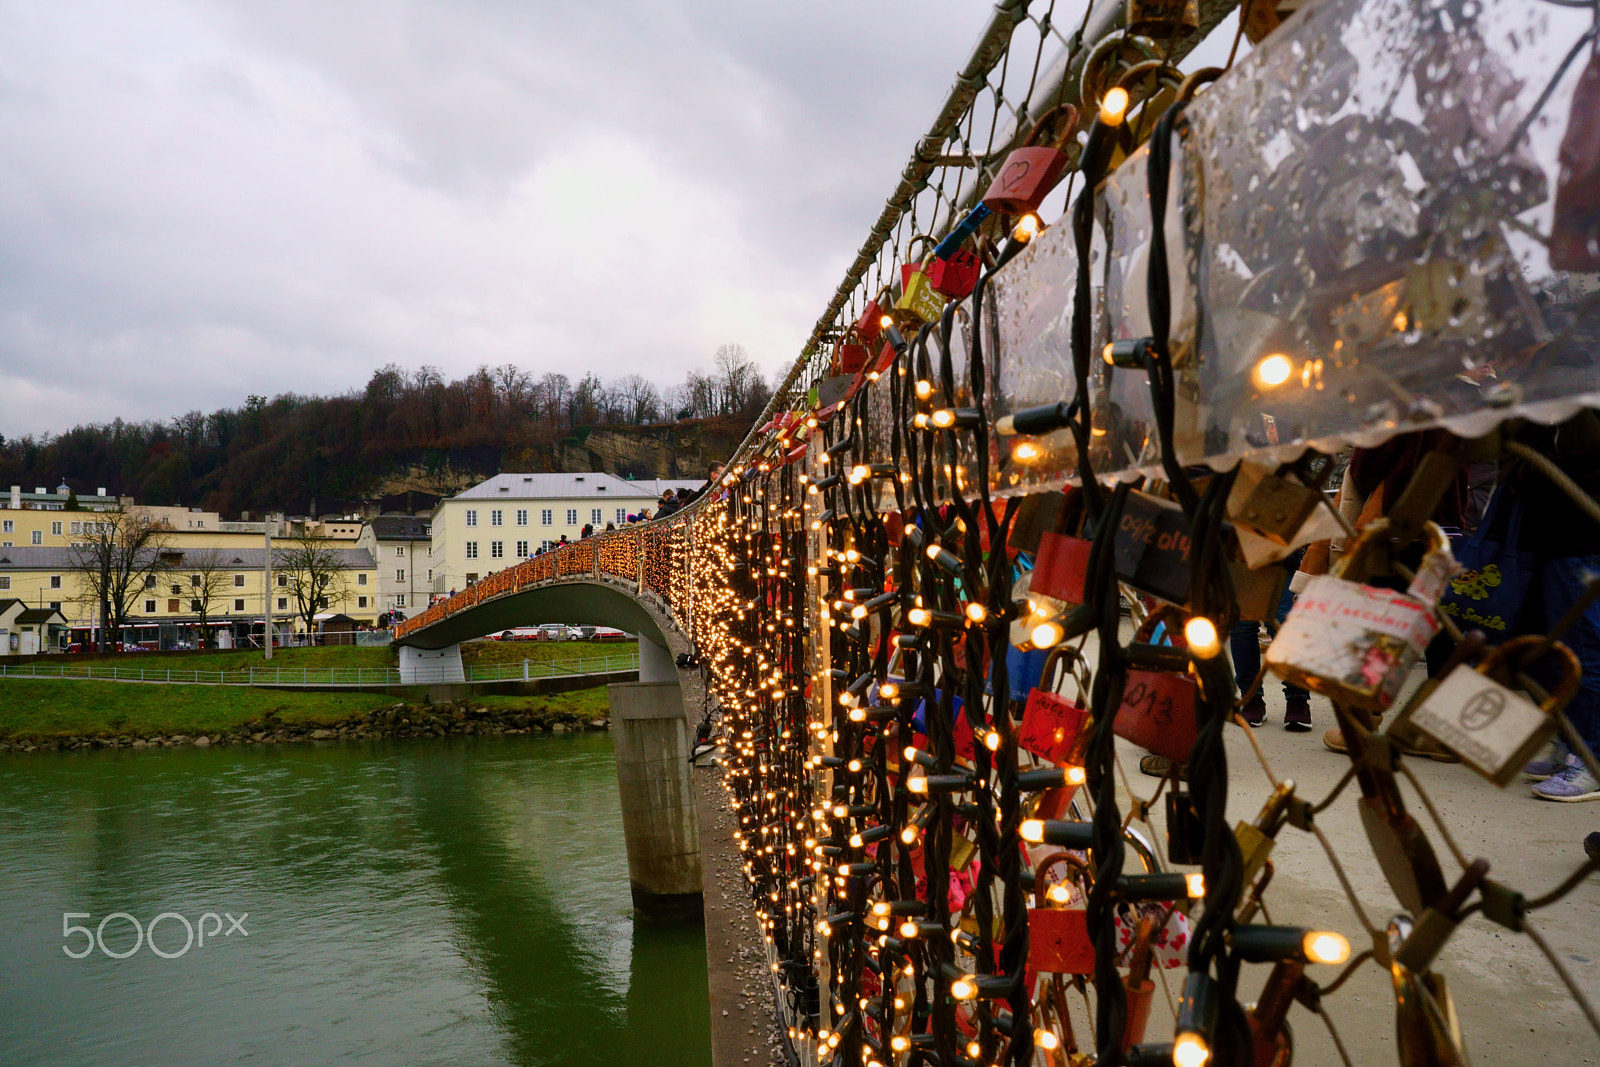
column 586, row 485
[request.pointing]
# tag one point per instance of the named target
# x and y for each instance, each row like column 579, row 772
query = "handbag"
column 1488, row 594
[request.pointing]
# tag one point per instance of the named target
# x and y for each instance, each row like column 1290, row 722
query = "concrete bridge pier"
column 431, row 666
column 650, row 734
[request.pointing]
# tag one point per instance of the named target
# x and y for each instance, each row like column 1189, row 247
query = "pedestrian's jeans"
column 1556, row 584
column 1245, row 643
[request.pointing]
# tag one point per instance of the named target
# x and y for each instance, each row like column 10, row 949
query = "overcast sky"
column 204, row 199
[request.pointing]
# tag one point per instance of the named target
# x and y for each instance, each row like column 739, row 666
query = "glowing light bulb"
column 1114, row 107
column 1322, row 946
column 963, row 988
column 1046, row 1039
column 919, row 616
column 1272, row 371
column 991, row 741
column 1032, row 830
column 1201, row 633
column 976, row 612
column 944, row 418
column 920, row 420
column 859, row 474
column 924, row 389
column 1027, row 228
column 908, row 929
column 888, row 691
column 886, row 321
column 1190, row 1050
column 1026, row 452
column 1076, row 775
column 1059, row 893
column 899, row 1042
column 909, row 835
column 1047, row 635
column 1195, row 885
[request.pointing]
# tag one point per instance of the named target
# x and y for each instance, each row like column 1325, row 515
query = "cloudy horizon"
column 205, row 199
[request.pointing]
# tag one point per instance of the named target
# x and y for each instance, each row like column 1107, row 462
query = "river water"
column 457, row 901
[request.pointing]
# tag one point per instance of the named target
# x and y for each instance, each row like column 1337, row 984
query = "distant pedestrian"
column 667, row 506
column 610, row 526
column 588, row 531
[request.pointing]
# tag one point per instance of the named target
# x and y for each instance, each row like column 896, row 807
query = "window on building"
column 238, row 604
column 176, row 589
column 472, row 550
column 547, row 517
column 55, row 529
column 594, row 516
column 401, row 551
column 472, row 576
column 400, row 601
column 194, row 581
column 430, row 551
column 172, row 606
column 399, row 575
column 572, row 516
column 194, row 606
column 361, row 579
column 430, row 574
column 8, row 526
column 472, row 518
column 283, row 603
column 622, row 515
column 37, row 537
column 149, row 607
column 5, row 544
column 522, row 516
column 238, row 581
column 77, row 527
column 5, row 581
column 55, row 605
column 149, row 581
column 361, row 601
column 496, row 517
column 283, row 580
column 497, row 550
column 55, row 581
column 522, row 548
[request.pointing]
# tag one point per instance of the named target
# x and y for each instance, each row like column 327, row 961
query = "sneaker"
column 1254, row 710
column 1570, row 785
column 1591, row 845
column 1297, row 715
column 1549, row 763
column 1333, row 741
column 1160, row 766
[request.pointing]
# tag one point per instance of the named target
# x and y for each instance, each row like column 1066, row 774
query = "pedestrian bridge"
column 635, row 580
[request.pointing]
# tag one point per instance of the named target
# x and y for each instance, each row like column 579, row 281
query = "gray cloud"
column 201, row 200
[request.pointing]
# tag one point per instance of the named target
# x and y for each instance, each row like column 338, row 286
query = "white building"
column 403, row 547
column 508, row 518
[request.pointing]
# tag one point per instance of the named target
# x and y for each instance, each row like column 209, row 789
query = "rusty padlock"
column 1356, row 643
column 1158, row 707
column 1163, row 19
column 1268, row 504
column 1492, row 727
column 1053, row 726
column 1031, row 170
column 1257, row 838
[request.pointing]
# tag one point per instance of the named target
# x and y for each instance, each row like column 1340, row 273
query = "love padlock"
column 1061, row 562
column 1268, row 504
column 1356, row 643
column 1158, row 707
column 954, row 276
column 1053, row 726
column 1492, row 727
column 852, row 352
column 918, row 297
column 1030, row 171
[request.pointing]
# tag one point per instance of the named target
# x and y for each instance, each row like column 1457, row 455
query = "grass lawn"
column 473, row 653
column 489, row 652
column 31, row 709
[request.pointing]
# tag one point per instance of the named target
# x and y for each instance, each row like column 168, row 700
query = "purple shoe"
column 1573, row 783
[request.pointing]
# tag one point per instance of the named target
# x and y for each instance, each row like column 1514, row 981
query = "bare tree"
column 316, row 572
column 210, row 579
column 118, row 554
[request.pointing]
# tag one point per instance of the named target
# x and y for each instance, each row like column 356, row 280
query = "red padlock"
column 955, row 276
column 1031, row 171
column 870, row 324
column 1158, row 707
column 1053, row 727
column 852, row 353
column 1058, row 941
column 1061, row 565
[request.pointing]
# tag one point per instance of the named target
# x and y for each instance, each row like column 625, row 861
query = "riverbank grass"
column 52, row 710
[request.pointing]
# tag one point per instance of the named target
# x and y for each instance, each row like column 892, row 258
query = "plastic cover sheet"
column 1359, row 244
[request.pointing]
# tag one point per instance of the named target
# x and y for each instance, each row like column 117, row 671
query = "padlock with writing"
column 955, row 275
column 1356, row 643
column 1158, row 706
column 918, row 298
column 1053, row 726
column 1031, row 170
column 1492, row 727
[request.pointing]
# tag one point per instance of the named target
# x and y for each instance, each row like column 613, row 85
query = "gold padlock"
column 1492, row 727
column 1272, row 506
column 918, row 295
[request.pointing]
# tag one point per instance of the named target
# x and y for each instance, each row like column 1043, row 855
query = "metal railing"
column 526, row 670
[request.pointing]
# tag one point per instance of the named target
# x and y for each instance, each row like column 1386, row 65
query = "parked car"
column 560, row 631
column 606, row 633
column 520, row 633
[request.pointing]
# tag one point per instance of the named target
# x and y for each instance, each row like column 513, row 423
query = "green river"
column 458, row 901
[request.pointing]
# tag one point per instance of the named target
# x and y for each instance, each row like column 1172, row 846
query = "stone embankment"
column 398, row 720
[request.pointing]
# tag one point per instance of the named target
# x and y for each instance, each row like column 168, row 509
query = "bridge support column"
column 650, row 732
column 431, row 666
column 656, row 664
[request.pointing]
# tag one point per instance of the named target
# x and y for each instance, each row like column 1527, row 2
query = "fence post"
column 524, row 670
